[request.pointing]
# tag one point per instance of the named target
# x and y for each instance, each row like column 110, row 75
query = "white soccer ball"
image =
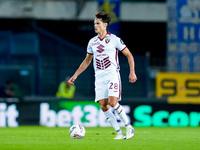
column 77, row 131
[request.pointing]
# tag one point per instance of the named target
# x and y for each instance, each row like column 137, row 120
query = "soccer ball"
column 77, row 131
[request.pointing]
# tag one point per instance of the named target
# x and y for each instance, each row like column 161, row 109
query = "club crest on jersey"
column 107, row 40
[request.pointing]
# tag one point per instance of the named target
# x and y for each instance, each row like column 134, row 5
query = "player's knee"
column 104, row 108
column 112, row 103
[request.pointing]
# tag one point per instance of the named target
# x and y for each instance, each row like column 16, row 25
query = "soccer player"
column 103, row 49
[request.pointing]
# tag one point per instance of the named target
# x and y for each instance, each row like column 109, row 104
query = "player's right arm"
column 86, row 62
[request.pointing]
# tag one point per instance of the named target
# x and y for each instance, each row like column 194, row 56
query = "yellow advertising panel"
column 178, row 87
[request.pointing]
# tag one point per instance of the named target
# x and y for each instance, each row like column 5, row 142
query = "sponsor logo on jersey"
column 101, row 55
column 97, row 43
column 100, row 48
column 103, row 64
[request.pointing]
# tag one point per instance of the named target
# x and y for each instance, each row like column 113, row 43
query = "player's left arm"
column 132, row 75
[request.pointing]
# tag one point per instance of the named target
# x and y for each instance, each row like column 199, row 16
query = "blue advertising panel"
column 112, row 7
column 183, row 29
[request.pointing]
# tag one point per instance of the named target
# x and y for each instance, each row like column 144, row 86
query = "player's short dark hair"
column 105, row 17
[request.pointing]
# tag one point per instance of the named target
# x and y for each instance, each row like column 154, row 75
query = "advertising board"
column 66, row 113
column 178, row 87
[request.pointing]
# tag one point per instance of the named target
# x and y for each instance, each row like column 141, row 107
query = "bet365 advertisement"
column 178, row 87
column 66, row 113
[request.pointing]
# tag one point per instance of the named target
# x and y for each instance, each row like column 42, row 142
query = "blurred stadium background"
column 43, row 41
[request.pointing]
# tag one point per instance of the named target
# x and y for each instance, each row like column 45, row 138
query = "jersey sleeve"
column 89, row 48
column 120, row 44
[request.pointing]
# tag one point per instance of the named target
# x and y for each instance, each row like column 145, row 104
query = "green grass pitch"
column 99, row 138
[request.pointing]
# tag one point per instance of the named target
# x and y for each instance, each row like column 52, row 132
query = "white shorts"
column 108, row 85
